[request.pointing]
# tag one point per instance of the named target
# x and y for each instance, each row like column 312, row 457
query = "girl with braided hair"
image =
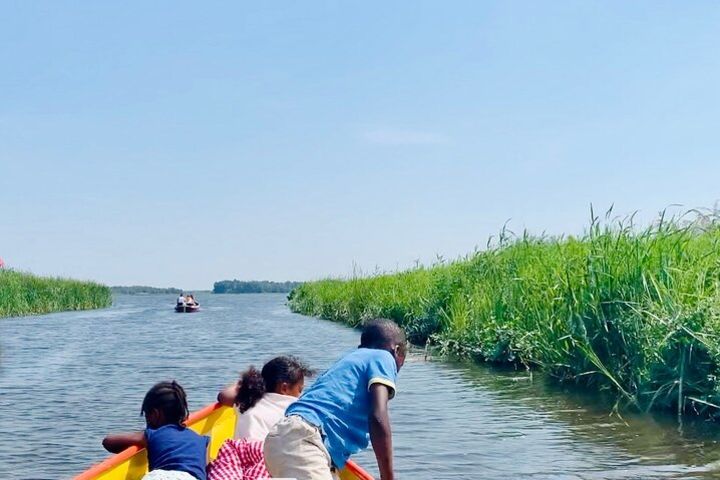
column 174, row 451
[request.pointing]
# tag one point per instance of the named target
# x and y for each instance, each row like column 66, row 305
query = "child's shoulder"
column 172, row 431
column 371, row 354
column 366, row 356
column 358, row 363
column 170, row 427
column 191, row 434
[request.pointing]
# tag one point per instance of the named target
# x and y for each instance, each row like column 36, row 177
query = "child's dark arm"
column 228, row 395
column 118, row 442
column 380, row 432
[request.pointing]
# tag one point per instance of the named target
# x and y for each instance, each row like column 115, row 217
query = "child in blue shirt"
column 344, row 408
column 174, row 451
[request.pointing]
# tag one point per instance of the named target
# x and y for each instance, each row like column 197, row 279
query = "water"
column 67, row 379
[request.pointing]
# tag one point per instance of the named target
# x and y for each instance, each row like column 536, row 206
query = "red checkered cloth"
column 239, row 460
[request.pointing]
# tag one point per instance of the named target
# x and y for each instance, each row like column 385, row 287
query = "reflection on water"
column 67, row 379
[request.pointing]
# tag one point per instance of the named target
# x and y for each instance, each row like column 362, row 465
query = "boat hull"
column 215, row 421
column 187, row 309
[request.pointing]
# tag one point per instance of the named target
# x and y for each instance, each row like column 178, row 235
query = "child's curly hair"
column 253, row 384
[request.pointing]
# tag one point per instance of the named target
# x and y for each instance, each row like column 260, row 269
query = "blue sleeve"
column 383, row 370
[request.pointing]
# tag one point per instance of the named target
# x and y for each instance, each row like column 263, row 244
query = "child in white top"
column 262, row 397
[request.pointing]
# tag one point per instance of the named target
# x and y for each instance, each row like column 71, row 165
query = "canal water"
column 67, row 379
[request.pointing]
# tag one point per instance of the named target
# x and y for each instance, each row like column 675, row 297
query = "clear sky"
column 178, row 143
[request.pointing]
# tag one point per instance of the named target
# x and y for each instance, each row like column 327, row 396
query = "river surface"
column 67, row 379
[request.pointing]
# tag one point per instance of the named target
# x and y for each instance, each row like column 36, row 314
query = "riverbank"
column 26, row 294
column 636, row 313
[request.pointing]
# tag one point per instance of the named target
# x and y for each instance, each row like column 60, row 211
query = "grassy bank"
column 633, row 312
column 25, row 294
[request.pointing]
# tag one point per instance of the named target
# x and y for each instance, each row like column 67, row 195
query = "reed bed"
column 632, row 312
column 26, row 294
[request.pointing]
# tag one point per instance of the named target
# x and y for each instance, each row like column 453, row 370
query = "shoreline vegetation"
column 630, row 312
column 27, row 294
column 254, row 286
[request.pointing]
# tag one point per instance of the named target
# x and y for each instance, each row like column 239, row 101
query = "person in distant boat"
column 174, row 451
column 261, row 398
column 345, row 407
column 181, row 300
column 190, row 301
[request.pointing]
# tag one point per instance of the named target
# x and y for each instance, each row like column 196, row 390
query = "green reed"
column 628, row 311
column 26, row 294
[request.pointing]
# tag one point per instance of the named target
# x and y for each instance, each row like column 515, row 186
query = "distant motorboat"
column 187, row 308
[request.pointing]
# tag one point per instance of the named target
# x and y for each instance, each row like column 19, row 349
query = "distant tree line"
column 142, row 289
column 238, row 286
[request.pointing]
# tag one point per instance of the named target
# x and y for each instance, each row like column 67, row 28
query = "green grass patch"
column 26, row 294
column 632, row 311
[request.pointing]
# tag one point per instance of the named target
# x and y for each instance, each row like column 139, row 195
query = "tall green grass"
column 633, row 312
column 25, row 294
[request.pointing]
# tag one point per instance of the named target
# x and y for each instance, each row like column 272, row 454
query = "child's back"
column 176, row 448
column 339, row 401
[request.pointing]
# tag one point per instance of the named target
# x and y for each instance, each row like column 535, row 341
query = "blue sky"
column 179, row 143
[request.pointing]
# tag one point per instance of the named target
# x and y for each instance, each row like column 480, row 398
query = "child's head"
column 384, row 334
column 165, row 404
column 283, row 375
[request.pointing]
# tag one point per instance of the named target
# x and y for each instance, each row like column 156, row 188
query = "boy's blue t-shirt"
column 176, row 448
column 339, row 400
